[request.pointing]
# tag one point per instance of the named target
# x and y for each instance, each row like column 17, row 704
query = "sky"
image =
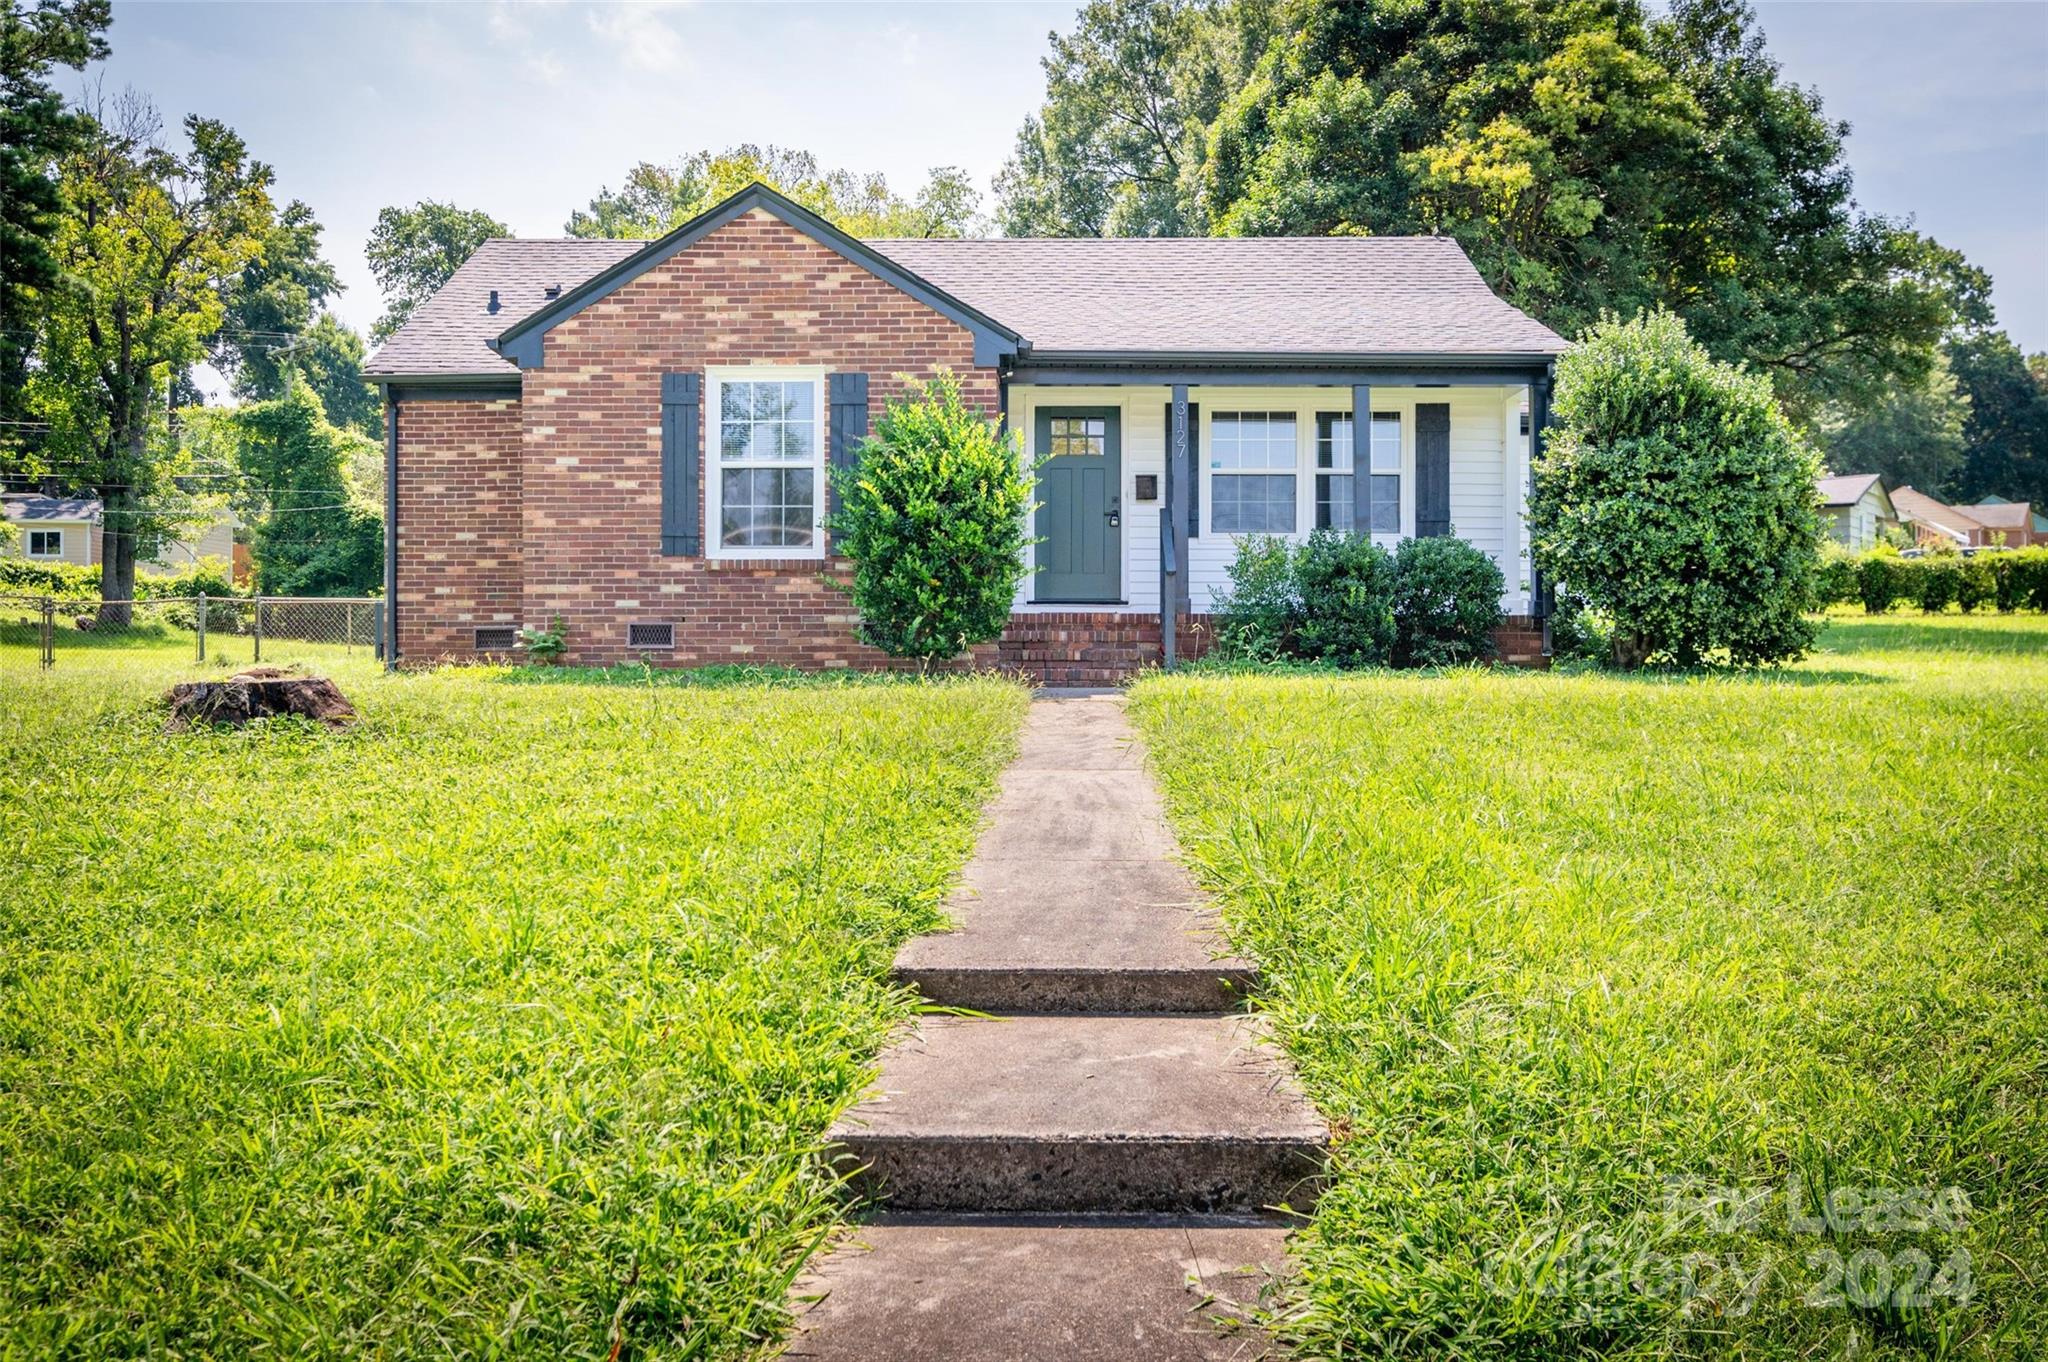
column 526, row 110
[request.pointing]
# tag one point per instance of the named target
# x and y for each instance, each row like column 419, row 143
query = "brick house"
column 636, row 436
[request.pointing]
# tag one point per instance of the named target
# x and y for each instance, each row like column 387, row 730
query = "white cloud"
column 645, row 40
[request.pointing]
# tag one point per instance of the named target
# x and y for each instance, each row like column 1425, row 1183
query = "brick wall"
column 458, row 524
column 756, row 291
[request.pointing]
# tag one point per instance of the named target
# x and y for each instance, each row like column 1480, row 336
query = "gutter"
column 390, row 530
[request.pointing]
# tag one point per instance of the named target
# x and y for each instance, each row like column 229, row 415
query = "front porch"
column 1147, row 486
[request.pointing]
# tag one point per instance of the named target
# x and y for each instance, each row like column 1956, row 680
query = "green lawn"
column 1560, row 955
column 505, row 1024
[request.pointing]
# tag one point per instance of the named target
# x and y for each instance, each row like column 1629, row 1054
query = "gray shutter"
column 682, row 400
column 849, row 398
column 1194, row 464
column 1432, row 469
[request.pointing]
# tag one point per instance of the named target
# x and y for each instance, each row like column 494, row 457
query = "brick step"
column 1175, row 1115
column 1081, row 1291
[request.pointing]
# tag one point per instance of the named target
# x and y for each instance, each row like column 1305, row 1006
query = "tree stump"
column 257, row 693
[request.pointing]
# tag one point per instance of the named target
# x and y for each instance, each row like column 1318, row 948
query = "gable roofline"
column 523, row 342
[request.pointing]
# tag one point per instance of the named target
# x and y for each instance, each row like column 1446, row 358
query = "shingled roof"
column 1354, row 298
column 449, row 335
column 1300, row 296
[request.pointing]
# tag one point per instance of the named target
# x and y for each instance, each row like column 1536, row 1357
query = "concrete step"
column 1077, row 1291
column 1067, row 1114
column 1096, row 936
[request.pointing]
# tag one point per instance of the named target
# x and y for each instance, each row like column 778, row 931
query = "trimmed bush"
column 1835, row 582
column 2019, row 579
column 1677, row 499
column 1933, row 581
column 1446, row 602
column 933, row 517
column 1340, row 599
column 1880, row 579
column 1257, row 615
column 1975, row 584
column 1345, row 587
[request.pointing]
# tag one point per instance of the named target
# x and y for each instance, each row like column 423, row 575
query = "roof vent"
column 554, row 290
column 493, row 307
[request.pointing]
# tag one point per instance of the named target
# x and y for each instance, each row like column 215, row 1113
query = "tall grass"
column 1561, row 954
column 503, row 1025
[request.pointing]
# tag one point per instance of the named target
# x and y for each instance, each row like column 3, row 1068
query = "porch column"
column 1173, row 529
column 1361, row 458
column 1539, row 422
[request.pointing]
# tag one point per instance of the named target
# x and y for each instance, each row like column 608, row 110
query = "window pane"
column 1333, row 441
column 1252, row 440
column 798, row 441
column 1257, row 504
column 733, row 439
column 1333, row 501
column 767, row 507
column 1386, row 503
column 733, row 403
column 796, row 402
column 1386, row 443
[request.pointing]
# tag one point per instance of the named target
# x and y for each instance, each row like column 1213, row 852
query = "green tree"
column 1676, row 499
column 1915, row 438
column 329, row 356
column 36, row 132
column 273, row 302
column 656, row 199
column 313, row 531
column 1590, row 155
column 1116, row 146
column 151, row 241
column 933, row 517
column 2005, row 437
column 413, row 251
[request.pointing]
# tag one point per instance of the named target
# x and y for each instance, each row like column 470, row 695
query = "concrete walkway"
column 1089, row 1173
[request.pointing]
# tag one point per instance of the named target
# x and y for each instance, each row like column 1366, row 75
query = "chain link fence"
column 52, row 634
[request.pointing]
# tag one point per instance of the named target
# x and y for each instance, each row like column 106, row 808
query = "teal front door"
column 1080, row 510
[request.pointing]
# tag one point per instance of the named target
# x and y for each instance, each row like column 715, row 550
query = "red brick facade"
column 514, row 511
column 459, row 565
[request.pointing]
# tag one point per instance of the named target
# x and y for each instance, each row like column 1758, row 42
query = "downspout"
column 1540, row 595
column 390, row 529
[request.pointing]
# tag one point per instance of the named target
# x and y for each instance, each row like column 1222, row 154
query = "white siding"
column 1489, row 472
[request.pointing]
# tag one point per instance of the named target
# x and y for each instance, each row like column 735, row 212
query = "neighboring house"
column 1936, row 523
column 1858, row 509
column 2021, row 525
column 635, row 436
column 67, row 530
column 53, row 529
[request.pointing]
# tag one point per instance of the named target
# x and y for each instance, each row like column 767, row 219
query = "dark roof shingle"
column 1340, row 295
column 1211, row 296
column 26, row 506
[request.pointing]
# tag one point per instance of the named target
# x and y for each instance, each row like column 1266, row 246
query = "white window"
column 46, row 543
column 1252, row 459
column 1333, row 487
column 766, row 479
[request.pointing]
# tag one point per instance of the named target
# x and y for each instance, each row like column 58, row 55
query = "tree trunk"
column 117, row 516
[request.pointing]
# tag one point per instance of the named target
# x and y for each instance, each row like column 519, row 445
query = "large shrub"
column 1676, row 499
column 2019, row 579
column 933, row 517
column 1257, row 614
column 1446, row 602
column 1344, row 584
column 76, row 581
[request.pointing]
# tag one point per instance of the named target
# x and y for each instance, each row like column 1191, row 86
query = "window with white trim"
column 1252, row 462
column 1334, row 471
column 46, row 543
column 767, row 476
